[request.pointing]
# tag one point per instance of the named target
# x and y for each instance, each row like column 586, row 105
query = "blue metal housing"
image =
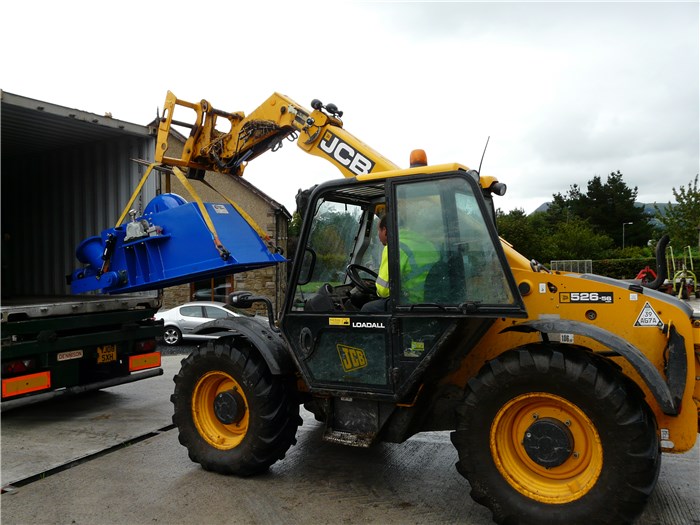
column 167, row 246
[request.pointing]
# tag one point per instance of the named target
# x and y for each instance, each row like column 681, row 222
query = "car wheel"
column 172, row 336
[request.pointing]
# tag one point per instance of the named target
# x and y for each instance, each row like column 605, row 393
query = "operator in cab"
column 382, row 285
column 417, row 255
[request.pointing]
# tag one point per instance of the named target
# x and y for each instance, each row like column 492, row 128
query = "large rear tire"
column 557, row 436
column 232, row 414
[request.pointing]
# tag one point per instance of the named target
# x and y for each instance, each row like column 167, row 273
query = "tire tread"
column 583, row 374
column 274, row 412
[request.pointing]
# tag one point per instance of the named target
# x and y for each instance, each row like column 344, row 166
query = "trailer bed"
column 34, row 307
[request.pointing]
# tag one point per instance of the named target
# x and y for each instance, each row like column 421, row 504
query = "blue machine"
column 170, row 244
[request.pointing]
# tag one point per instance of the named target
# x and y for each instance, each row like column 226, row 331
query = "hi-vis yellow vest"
column 417, row 255
column 383, row 279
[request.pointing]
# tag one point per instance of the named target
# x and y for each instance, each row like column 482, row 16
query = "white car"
column 181, row 321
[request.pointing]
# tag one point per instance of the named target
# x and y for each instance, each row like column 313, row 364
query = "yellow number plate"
column 106, row 353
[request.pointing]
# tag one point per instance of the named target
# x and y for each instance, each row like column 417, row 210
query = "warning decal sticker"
column 220, row 209
column 648, row 317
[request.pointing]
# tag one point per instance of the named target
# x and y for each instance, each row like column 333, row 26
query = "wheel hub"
column 229, row 407
column 548, row 442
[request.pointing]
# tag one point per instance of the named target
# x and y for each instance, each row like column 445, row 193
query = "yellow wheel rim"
column 216, row 433
column 566, row 482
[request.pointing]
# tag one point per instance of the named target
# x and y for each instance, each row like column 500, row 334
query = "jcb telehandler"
column 560, row 390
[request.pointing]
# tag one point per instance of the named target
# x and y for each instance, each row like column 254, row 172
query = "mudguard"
column 668, row 393
column 257, row 331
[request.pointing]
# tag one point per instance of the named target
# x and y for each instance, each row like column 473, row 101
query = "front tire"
column 233, row 415
column 172, row 336
column 557, row 436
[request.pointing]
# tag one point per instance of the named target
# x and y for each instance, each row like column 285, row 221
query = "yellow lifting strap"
column 205, row 214
column 264, row 236
column 181, row 177
column 135, row 194
column 207, row 219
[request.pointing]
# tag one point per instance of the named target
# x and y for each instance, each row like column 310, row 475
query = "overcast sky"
column 566, row 91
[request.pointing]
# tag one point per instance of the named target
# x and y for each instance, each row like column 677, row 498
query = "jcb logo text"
column 351, row 358
column 345, row 154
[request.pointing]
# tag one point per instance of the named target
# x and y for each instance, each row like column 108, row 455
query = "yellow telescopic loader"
column 560, row 390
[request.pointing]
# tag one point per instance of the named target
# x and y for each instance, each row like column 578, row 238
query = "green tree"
column 543, row 237
column 682, row 220
column 576, row 239
column 606, row 207
column 295, row 225
column 293, row 232
column 561, row 207
column 516, row 228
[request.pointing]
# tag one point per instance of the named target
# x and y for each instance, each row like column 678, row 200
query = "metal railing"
column 573, row 265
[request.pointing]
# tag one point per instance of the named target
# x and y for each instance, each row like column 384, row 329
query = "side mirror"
column 240, row 299
column 247, row 299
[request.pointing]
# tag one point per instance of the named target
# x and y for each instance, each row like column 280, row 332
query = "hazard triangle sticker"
column 648, row 317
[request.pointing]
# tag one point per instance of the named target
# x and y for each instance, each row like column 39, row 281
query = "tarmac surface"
column 112, row 457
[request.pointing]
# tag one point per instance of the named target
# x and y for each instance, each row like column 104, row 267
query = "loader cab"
column 447, row 276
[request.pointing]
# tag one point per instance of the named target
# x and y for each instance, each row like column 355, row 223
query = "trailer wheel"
column 232, row 414
column 552, row 436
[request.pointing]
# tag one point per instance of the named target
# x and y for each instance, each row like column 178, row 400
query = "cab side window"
column 421, row 238
column 447, row 254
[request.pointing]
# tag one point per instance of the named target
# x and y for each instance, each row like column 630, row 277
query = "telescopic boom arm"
column 318, row 132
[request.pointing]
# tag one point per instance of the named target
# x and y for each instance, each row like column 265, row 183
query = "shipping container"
column 66, row 174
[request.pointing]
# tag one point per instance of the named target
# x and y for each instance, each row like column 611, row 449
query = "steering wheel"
column 368, row 286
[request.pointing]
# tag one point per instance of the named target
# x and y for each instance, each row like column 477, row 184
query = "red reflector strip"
column 143, row 361
column 16, row 386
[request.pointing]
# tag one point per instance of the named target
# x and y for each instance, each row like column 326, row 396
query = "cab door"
column 449, row 277
column 448, row 280
column 340, row 348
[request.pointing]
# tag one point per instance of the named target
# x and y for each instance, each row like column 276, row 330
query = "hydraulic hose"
column 661, row 267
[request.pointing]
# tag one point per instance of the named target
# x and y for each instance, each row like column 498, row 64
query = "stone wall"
column 176, row 295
